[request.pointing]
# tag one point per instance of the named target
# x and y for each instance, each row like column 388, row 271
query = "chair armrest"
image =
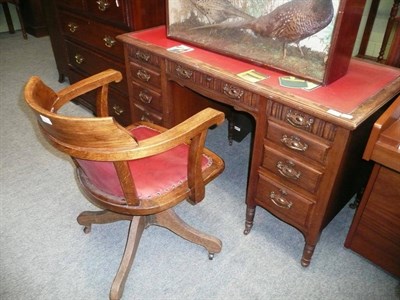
column 91, row 83
column 181, row 133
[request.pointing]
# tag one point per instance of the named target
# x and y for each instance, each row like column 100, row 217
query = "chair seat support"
column 167, row 219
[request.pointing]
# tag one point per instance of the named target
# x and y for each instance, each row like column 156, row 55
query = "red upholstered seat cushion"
column 153, row 175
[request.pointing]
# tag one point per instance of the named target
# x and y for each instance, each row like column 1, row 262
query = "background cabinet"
column 83, row 36
column 375, row 231
column 33, row 17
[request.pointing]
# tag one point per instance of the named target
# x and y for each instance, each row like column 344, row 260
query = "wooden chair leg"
column 21, row 20
column 87, row 218
column 7, row 14
column 170, row 220
column 136, row 229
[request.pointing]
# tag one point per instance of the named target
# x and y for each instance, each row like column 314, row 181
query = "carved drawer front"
column 297, row 141
column 118, row 104
column 143, row 57
column 109, row 10
column 93, row 34
column 301, row 120
column 282, row 202
column 142, row 113
column 145, row 76
column 292, row 169
column 228, row 92
column 147, row 97
column 91, row 63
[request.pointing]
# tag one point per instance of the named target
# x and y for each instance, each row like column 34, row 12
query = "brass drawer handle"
column 140, row 55
column 146, row 117
column 103, row 5
column 72, row 26
column 145, row 97
column 143, row 75
column 109, row 41
column 184, row 73
column 298, row 120
column 79, row 59
column 287, row 170
column 233, row 91
column 117, row 110
column 280, row 201
column 294, row 143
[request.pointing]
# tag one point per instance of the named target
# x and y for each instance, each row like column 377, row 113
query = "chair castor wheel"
column 87, row 229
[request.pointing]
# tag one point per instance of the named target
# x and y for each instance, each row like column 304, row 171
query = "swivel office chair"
column 138, row 173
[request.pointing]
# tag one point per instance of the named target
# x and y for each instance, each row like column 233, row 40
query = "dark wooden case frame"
column 346, row 23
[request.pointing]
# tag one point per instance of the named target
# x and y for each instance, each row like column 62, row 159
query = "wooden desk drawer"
column 143, row 57
column 283, row 202
column 291, row 169
column 209, row 85
column 92, row 63
column 298, row 141
column 145, row 76
column 94, row 34
column 148, row 97
column 301, row 121
column 142, row 113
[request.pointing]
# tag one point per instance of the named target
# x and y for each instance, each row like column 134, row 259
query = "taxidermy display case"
column 311, row 39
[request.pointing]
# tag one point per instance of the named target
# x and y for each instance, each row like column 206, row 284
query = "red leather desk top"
column 362, row 81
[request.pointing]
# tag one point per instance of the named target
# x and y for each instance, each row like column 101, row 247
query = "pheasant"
column 217, row 11
column 290, row 22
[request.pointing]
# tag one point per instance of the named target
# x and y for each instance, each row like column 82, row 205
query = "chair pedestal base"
column 167, row 219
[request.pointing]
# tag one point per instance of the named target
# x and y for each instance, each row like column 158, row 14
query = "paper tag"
column 339, row 114
column 46, row 120
column 180, row 49
column 252, row 76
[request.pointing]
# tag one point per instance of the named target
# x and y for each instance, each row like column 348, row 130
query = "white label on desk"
column 339, row 114
column 46, row 120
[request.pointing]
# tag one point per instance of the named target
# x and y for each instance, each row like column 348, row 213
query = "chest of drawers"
column 85, row 42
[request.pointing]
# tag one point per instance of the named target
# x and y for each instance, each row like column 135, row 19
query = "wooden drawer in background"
column 109, row 10
column 91, row 63
column 74, row 4
column 93, row 34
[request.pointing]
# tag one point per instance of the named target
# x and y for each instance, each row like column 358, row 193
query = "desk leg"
column 307, row 254
column 250, row 212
